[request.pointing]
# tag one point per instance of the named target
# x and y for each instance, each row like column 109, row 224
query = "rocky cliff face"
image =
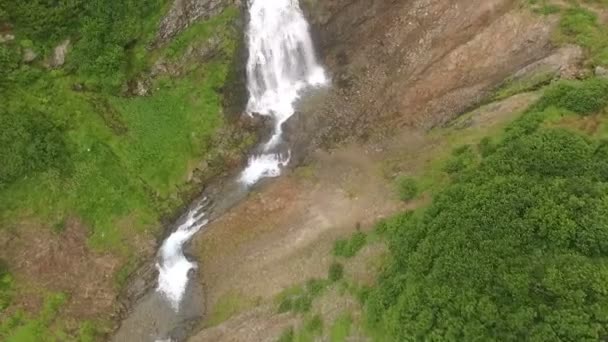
column 184, row 13
column 419, row 63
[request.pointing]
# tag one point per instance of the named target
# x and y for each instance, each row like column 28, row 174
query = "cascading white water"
column 281, row 64
column 174, row 267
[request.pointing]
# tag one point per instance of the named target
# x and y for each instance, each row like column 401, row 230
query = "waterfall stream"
column 282, row 63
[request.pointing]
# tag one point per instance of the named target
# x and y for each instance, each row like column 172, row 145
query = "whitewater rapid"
column 282, row 63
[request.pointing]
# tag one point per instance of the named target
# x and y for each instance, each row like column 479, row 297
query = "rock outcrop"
column 412, row 63
column 57, row 59
column 184, row 13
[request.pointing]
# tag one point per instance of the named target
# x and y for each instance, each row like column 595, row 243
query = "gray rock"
column 601, row 72
column 6, row 38
column 142, row 88
column 29, row 55
column 58, row 58
column 184, row 13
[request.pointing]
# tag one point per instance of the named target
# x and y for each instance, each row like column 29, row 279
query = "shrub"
column 6, row 286
column 348, row 248
column 408, row 188
column 336, row 272
column 286, row 305
column 586, row 97
column 580, row 26
column 302, row 304
column 315, row 287
column 287, row 335
column 314, row 325
column 486, row 147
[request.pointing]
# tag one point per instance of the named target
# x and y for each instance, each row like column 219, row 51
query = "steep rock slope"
column 414, row 63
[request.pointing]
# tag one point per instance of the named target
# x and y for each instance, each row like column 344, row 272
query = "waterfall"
column 281, row 64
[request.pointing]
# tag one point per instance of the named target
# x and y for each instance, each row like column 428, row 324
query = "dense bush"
column 579, row 97
column 515, row 249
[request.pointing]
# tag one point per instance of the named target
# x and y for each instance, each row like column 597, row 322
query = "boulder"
column 29, row 55
column 7, row 37
column 601, row 72
column 59, row 53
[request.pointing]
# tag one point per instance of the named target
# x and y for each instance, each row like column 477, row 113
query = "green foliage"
column 314, row 325
column 408, row 188
column 463, row 158
column 9, row 61
column 348, row 248
column 30, row 143
column 217, row 28
column 104, row 33
column 302, row 303
column 543, row 7
column 45, row 21
column 580, row 26
column 6, row 287
column 340, row 329
column 486, row 146
column 45, row 326
column 299, row 299
column 516, row 248
column 583, row 98
column 100, row 156
column 336, row 272
column 315, row 287
column 287, row 335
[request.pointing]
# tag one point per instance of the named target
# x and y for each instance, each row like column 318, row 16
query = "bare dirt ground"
column 282, row 235
column 274, row 238
column 44, row 262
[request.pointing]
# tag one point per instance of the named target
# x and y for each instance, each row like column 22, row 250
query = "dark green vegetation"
column 348, row 248
column 578, row 25
column 408, row 188
column 515, row 247
column 6, row 286
column 336, row 272
column 581, row 26
column 74, row 142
